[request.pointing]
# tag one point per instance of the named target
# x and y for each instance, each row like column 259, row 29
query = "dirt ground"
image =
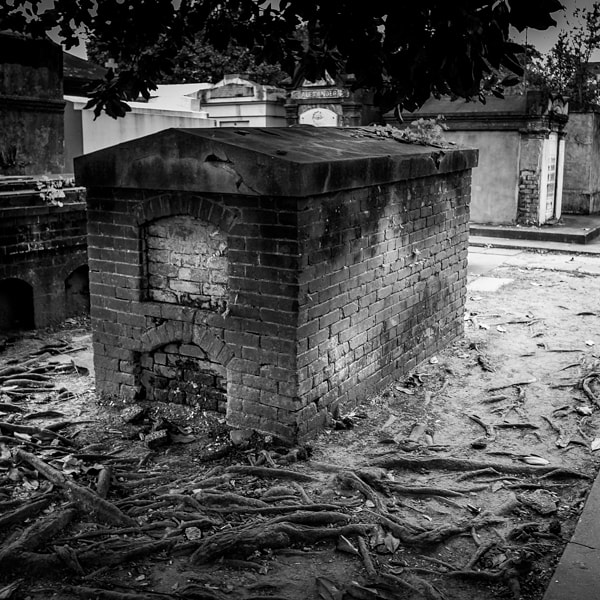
column 463, row 480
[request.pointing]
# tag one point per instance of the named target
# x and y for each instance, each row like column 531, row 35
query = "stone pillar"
column 31, row 106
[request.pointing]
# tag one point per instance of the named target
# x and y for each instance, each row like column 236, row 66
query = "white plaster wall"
column 496, row 178
column 106, row 131
column 232, row 112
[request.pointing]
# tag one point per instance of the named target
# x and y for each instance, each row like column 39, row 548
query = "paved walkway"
column 577, row 576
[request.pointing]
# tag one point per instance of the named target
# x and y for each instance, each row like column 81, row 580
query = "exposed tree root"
column 122, row 531
column 101, row 594
column 83, row 497
column 34, row 536
column 366, row 557
column 227, row 498
column 25, row 512
column 103, row 484
column 350, row 480
column 462, row 464
column 270, row 473
column 273, row 510
column 39, row 432
column 479, row 553
column 585, row 384
column 411, row 535
column 267, row 535
column 412, row 583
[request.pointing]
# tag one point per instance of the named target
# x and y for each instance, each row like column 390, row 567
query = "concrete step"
column 572, row 229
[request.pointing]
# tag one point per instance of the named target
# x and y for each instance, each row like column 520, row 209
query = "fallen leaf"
column 182, row 439
column 595, row 445
column 589, row 342
column 345, row 545
column 14, row 474
column 31, row 484
column 327, row 589
column 434, row 360
column 501, row 329
column 404, row 390
column 497, row 485
column 391, row 543
column 7, row 592
column 535, row 460
column 193, row 533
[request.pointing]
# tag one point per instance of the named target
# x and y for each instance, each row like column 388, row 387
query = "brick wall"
column 529, row 197
column 327, row 299
column 295, row 289
column 382, row 287
column 42, row 242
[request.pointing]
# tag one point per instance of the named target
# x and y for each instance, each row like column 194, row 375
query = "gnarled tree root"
column 268, row 535
column 34, row 536
column 83, row 497
column 462, row 464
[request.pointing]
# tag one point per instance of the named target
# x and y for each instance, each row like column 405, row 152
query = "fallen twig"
column 511, row 384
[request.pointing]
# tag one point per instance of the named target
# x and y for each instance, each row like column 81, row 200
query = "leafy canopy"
column 565, row 69
column 404, row 50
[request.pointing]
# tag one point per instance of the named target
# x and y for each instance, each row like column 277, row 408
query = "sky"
column 544, row 40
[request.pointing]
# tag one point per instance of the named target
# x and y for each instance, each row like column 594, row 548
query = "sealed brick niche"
column 273, row 273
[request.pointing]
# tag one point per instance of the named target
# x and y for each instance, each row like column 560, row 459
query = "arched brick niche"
column 16, row 304
column 184, row 374
column 185, row 365
column 186, row 263
column 77, row 292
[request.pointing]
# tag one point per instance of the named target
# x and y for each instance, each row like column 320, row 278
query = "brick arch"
column 72, row 265
column 29, row 276
column 178, row 332
column 199, row 207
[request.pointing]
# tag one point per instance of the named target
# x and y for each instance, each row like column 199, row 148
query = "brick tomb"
column 274, row 274
column 43, row 257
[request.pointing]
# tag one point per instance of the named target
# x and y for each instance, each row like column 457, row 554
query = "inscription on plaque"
column 323, row 93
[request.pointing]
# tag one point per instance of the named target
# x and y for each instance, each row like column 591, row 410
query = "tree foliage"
column 565, row 69
column 404, row 50
column 198, row 61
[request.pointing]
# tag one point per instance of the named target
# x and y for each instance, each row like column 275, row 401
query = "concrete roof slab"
column 295, row 161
